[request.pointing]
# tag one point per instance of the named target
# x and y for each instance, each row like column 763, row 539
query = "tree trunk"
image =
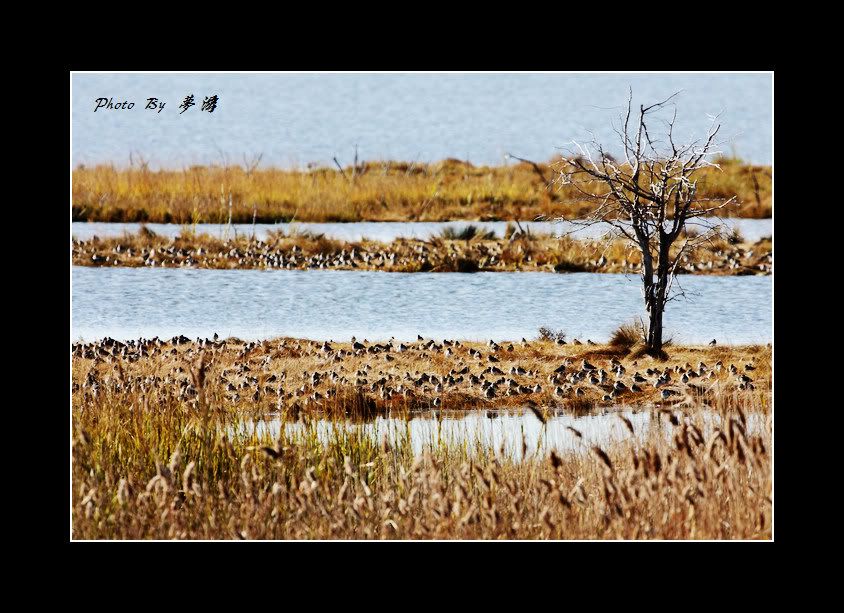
column 659, row 297
column 655, row 328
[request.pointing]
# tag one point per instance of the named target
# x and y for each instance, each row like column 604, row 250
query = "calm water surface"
column 515, row 430
column 751, row 229
column 297, row 119
column 329, row 304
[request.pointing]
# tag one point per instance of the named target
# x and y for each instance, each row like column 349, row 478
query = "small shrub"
column 467, row 265
column 569, row 266
column 735, row 237
column 146, row 232
column 547, row 334
column 628, row 335
column 466, row 234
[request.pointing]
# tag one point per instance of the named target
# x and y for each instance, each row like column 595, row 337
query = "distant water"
column 751, row 229
column 295, row 119
column 251, row 304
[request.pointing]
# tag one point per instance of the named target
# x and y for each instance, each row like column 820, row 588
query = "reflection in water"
column 129, row 303
column 516, row 431
column 750, row 229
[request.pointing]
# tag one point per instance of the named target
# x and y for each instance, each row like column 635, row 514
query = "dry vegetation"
column 365, row 379
column 373, row 191
column 142, row 473
column 144, row 470
column 163, row 449
column 469, row 251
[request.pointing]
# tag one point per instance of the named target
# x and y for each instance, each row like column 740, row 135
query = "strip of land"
column 372, row 191
column 360, row 377
column 475, row 252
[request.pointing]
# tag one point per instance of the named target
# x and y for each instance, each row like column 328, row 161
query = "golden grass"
column 161, row 449
column 302, row 251
column 374, row 191
column 147, row 470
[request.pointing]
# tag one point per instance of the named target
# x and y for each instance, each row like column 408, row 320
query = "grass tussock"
column 468, row 233
column 373, row 191
column 627, row 335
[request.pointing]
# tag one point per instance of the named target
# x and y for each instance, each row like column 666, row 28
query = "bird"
column 587, row 366
column 712, row 343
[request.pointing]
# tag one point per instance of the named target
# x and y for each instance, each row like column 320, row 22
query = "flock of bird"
column 404, row 255
column 285, row 372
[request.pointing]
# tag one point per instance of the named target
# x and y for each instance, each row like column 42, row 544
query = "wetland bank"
column 275, row 350
column 469, row 250
column 163, row 446
column 369, row 191
column 447, row 436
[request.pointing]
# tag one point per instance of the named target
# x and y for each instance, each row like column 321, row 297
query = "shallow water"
column 129, row 303
column 750, row 229
column 294, row 119
column 510, row 428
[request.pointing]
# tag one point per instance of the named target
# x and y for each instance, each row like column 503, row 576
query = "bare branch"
column 649, row 198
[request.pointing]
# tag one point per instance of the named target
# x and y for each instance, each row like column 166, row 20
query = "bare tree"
column 649, row 197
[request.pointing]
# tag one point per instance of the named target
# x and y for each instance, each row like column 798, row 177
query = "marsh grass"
column 142, row 471
column 150, row 461
column 380, row 191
